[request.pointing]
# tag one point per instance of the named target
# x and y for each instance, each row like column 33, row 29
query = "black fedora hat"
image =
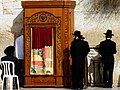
column 9, row 50
column 109, row 33
column 77, row 33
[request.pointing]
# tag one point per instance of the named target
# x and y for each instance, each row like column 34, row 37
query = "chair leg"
column 3, row 84
column 18, row 83
column 11, row 83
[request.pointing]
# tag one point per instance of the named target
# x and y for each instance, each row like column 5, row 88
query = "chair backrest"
column 8, row 67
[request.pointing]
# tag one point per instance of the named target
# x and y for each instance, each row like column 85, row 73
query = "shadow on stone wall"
column 66, row 68
column 17, row 28
column 106, row 6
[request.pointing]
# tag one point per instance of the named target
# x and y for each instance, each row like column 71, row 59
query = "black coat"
column 79, row 48
column 107, row 49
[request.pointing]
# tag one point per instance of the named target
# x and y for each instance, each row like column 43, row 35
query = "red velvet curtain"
column 41, row 37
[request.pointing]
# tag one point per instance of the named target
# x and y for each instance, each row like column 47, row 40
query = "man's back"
column 79, row 48
column 107, row 48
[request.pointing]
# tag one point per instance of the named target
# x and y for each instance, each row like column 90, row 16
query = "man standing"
column 79, row 50
column 107, row 50
column 20, row 55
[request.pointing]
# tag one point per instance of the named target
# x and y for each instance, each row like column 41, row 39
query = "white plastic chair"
column 8, row 73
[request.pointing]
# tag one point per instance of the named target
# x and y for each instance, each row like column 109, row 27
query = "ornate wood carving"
column 45, row 17
column 44, row 80
column 53, row 14
column 66, row 27
column 40, row 18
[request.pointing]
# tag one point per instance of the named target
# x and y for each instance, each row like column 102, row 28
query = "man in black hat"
column 107, row 50
column 79, row 50
column 9, row 51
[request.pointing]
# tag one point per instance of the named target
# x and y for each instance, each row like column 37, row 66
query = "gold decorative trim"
column 66, row 27
column 41, row 18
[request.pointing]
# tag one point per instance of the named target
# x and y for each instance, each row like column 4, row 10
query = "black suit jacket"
column 79, row 48
column 107, row 49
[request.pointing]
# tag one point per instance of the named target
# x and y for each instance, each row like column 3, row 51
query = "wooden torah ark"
column 58, row 14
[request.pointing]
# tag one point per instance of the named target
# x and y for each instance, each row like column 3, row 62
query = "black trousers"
column 108, row 74
column 77, row 72
column 21, row 73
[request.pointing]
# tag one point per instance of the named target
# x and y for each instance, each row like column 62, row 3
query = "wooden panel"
column 48, row 4
column 29, row 12
column 39, row 81
column 60, row 15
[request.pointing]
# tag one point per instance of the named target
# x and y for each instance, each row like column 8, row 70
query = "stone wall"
column 92, row 18
column 11, row 22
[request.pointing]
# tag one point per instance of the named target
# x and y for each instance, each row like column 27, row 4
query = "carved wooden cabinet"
column 47, row 65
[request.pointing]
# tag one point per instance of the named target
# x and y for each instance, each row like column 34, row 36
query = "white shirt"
column 19, row 47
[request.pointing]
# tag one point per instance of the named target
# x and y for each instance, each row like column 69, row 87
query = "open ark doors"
column 48, row 28
column 42, row 50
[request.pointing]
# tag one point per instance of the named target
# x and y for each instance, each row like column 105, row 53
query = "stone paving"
column 89, row 88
